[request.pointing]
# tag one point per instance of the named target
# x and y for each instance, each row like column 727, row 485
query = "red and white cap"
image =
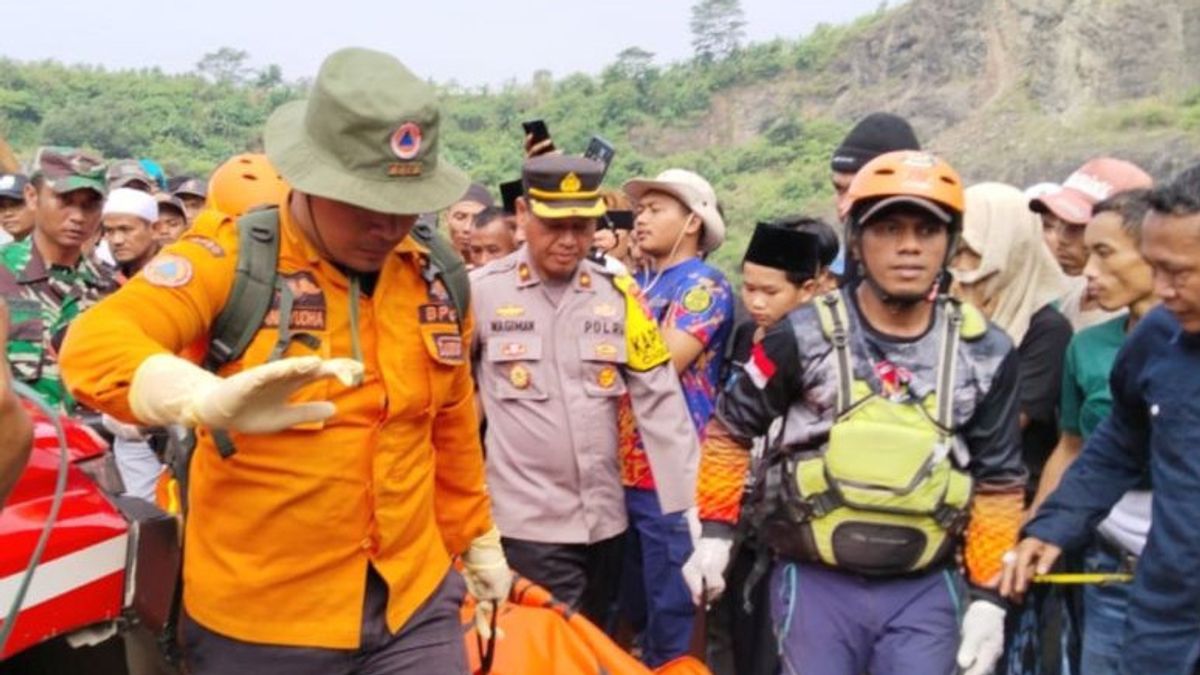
column 1091, row 184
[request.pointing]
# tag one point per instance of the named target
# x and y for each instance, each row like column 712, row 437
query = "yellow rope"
column 1101, row 578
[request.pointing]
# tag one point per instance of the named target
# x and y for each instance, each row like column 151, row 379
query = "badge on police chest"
column 607, row 377
column 519, row 377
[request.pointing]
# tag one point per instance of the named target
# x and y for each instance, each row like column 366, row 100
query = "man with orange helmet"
column 899, row 448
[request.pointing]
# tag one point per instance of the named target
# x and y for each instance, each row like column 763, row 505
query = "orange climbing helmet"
column 906, row 176
column 244, row 182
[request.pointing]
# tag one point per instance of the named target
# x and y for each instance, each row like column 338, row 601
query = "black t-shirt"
column 1041, row 352
column 738, row 350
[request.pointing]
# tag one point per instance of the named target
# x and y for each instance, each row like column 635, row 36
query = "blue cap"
column 156, row 172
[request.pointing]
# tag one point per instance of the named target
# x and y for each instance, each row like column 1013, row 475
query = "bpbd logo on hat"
column 406, row 141
column 367, row 117
column 406, row 146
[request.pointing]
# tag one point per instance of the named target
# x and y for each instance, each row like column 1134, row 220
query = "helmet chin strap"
column 941, row 285
column 899, row 302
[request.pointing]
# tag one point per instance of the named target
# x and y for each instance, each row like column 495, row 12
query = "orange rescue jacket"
column 280, row 534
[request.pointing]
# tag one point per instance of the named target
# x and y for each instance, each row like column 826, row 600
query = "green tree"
column 718, row 27
column 633, row 63
column 225, row 66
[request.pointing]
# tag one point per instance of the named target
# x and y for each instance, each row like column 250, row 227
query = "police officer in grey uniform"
column 560, row 340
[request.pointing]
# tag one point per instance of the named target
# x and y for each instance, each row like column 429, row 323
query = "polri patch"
column 168, row 271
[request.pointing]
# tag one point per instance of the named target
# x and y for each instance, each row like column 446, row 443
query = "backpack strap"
column 974, row 323
column 445, row 263
column 831, row 309
column 947, row 361
column 253, row 288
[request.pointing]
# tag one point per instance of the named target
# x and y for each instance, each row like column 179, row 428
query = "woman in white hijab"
column 1004, row 269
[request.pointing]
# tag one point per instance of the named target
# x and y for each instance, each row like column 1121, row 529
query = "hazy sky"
column 471, row 41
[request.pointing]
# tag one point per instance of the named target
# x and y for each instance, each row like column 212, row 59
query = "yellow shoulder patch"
column 697, row 300
column 644, row 344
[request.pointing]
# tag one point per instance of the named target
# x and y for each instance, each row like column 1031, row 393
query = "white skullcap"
column 128, row 201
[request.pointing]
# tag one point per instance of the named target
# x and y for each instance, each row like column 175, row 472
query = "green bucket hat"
column 367, row 136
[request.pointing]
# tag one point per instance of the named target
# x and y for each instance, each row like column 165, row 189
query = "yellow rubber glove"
column 488, row 578
column 169, row 390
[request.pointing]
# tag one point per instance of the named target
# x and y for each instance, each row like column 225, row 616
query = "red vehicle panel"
column 81, row 578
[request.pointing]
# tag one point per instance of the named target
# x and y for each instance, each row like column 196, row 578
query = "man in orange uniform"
column 323, row 544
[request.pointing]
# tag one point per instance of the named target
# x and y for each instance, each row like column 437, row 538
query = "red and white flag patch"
column 759, row 367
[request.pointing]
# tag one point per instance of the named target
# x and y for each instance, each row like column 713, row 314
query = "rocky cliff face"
column 1061, row 54
column 1007, row 89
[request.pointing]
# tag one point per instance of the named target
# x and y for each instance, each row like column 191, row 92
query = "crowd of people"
column 883, row 451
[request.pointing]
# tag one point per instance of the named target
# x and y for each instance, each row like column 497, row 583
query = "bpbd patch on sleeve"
column 168, row 270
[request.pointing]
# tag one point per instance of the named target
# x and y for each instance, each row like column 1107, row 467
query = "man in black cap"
column 16, row 215
column 559, row 342
column 874, row 135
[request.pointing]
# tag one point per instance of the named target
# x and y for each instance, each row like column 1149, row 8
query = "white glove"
column 704, row 571
column 488, row 578
column 125, row 432
column 692, row 516
column 982, row 638
column 169, row 390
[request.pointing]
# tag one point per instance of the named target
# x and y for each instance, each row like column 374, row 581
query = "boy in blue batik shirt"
column 677, row 222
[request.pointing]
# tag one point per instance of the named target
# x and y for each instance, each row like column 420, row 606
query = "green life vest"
column 883, row 496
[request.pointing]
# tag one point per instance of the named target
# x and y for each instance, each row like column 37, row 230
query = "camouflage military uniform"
column 42, row 301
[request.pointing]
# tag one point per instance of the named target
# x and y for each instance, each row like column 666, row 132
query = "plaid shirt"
column 42, row 302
